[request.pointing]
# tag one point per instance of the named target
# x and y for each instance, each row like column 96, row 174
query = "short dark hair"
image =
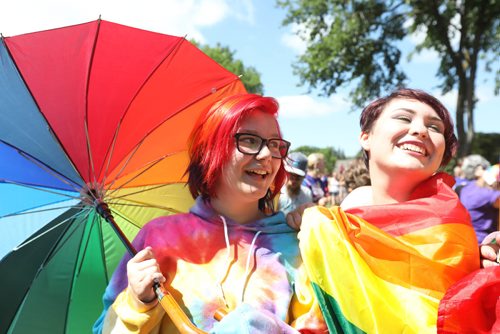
column 372, row 112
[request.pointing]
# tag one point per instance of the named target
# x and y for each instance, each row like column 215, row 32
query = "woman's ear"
column 364, row 140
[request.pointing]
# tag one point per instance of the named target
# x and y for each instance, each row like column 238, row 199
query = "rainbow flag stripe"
column 387, row 275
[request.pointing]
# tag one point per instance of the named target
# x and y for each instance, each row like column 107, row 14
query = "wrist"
column 141, row 305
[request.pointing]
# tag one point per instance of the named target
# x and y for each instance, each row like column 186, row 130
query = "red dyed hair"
column 212, row 142
column 372, row 112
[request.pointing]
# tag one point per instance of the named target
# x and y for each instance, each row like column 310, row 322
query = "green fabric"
column 48, row 295
column 62, row 275
column 332, row 314
column 20, row 267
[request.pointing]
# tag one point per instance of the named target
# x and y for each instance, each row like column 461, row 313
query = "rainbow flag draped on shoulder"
column 384, row 269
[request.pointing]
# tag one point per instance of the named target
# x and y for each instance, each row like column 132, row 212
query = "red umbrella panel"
column 92, row 113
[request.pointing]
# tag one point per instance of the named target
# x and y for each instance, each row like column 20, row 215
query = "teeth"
column 413, row 148
column 260, row 172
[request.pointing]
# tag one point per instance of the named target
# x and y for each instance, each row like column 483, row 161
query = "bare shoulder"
column 360, row 196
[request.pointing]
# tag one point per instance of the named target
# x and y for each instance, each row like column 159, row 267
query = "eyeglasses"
column 251, row 144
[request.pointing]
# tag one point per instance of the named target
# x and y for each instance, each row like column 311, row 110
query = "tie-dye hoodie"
column 211, row 262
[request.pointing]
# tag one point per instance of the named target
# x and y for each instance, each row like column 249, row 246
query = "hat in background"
column 296, row 163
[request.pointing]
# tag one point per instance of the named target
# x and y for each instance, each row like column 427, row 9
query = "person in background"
column 356, row 175
column 294, row 194
column 316, row 179
column 460, row 180
column 232, row 250
column 478, row 197
column 334, row 188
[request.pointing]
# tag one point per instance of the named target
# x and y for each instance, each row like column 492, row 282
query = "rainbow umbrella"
column 92, row 116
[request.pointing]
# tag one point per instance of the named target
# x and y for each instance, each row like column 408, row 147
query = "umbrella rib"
column 140, row 191
column 147, row 206
column 127, row 219
column 40, row 188
column 39, row 211
column 103, row 252
column 57, row 245
column 87, row 136
column 110, row 151
column 151, row 165
column 44, row 167
column 89, row 152
column 42, row 234
column 124, row 166
column 86, row 245
column 75, row 274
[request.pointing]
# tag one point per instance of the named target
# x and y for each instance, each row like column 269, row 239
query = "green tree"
column 331, row 155
column 486, row 144
column 355, row 42
column 225, row 57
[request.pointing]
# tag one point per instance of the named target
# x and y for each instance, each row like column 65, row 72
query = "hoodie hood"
column 274, row 224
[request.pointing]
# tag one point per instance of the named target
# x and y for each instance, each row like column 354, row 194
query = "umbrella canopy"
column 91, row 113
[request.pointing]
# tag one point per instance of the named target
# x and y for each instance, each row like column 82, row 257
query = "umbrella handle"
column 167, row 301
column 165, row 298
column 174, row 311
column 220, row 313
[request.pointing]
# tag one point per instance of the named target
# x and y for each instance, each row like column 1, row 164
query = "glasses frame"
column 262, row 143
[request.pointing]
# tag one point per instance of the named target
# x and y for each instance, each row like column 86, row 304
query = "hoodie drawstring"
column 247, row 267
column 228, row 263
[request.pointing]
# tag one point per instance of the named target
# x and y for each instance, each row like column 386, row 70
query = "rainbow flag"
column 387, row 271
column 472, row 305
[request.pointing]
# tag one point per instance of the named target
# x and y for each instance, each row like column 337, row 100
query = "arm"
column 294, row 218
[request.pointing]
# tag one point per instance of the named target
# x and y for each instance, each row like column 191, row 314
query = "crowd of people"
column 237, row 248
column 308, row 181
column 477, row 185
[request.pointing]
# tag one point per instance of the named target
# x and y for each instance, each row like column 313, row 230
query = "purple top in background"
column 479, row 202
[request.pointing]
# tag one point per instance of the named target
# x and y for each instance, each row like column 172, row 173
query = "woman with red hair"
column 232, row 249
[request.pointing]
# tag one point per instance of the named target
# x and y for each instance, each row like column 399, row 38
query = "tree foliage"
column 486, row 144
column 225, row 57
column 331, row 154
column 356, row 42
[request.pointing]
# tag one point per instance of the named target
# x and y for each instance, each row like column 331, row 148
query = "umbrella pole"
column 165, row 298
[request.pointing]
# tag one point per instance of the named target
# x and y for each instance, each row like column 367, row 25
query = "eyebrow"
column 413, row 112
column 254, row 132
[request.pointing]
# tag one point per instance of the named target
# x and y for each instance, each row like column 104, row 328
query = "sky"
column 253, row 30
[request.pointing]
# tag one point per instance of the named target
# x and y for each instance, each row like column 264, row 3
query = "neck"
column 393, row 188
column 239, row 211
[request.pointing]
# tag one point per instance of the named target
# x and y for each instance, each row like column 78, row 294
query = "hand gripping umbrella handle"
column 165, row 298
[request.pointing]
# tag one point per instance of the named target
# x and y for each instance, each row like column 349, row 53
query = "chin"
column 254, row 193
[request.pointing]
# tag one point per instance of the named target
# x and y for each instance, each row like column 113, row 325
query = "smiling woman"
column 231, row 250
column 383, row 262
column 404, row 145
